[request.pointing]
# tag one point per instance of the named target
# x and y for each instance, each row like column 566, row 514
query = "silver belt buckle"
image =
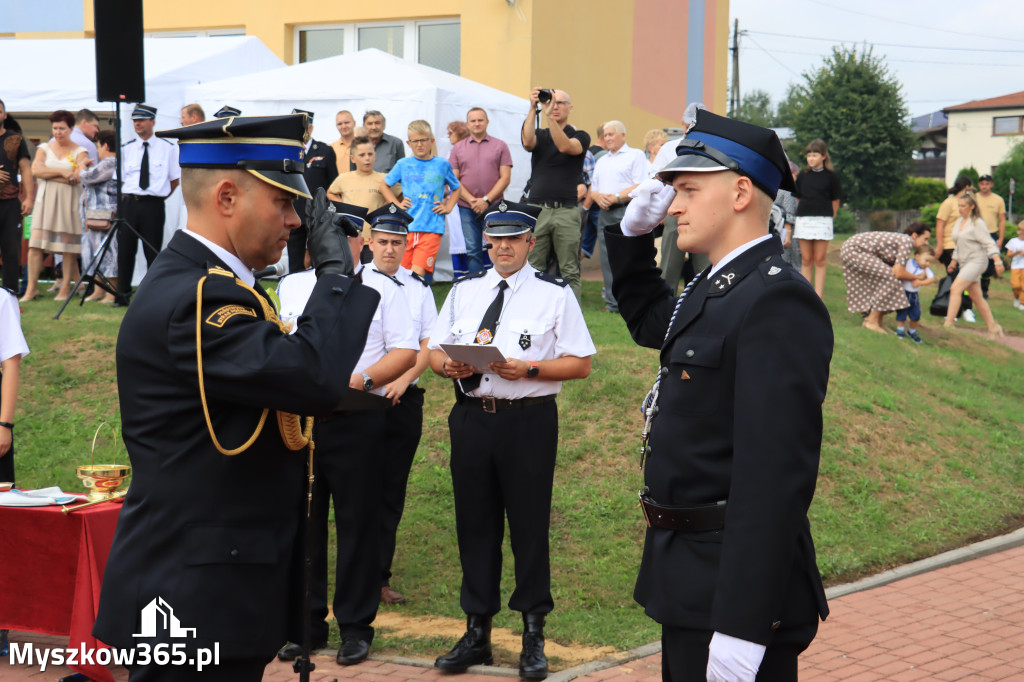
column 489, row 404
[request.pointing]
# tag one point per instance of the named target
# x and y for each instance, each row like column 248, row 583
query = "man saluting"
column 210, row 524
column 728, row 567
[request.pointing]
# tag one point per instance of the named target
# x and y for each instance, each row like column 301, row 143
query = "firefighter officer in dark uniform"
column 504, row 429
column 210, row 386
column 320, row 171
column 728, row 567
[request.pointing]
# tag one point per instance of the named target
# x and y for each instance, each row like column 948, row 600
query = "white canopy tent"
column 371, row 79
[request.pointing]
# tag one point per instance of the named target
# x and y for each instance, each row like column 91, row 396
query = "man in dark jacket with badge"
column 728, row 567
column 207, row 540
column 321, row 168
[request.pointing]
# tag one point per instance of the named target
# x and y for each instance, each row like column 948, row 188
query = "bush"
column 969, row 172
column 1011, row 232
column 915, row 193
column 844, row 222
column 930, row 213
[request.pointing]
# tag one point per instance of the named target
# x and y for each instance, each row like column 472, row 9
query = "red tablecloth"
column 51, row 571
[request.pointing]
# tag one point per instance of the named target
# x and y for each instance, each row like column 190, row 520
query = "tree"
column 856, row 106
column 1011, row 167
column 756, row 108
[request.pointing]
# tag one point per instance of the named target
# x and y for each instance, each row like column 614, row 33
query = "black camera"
column 544, row 95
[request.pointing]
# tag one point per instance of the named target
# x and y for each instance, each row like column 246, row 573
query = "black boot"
column 533, row 664
column 473, row 649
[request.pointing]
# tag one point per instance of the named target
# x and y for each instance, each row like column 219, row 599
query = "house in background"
column 930, row 154
column 982, row 132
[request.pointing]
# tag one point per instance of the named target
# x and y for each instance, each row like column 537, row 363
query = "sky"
column 943, row 52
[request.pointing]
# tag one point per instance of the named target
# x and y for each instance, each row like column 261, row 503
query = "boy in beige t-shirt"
column 360, row 187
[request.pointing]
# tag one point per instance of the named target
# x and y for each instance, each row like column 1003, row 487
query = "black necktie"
column 144, row 171
column 488, row 328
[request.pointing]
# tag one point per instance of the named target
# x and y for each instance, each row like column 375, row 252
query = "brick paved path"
column 960, row 622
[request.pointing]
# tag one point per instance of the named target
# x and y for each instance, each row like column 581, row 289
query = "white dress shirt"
column 543, row 316
column 12, row 340
column 615, row 171
column 163, row 166
column 231, row 260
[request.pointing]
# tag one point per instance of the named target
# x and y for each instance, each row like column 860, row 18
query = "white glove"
column 731, row 659
column 651, row 199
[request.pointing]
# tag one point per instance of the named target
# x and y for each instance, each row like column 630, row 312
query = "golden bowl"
column 6, row 487
column 103, row 480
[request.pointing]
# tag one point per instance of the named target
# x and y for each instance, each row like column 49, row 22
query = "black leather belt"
column 142, row 197
column 556, row 204
column 492, row 405
column 702, row 517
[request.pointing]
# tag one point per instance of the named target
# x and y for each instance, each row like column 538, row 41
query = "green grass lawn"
column 921, row 454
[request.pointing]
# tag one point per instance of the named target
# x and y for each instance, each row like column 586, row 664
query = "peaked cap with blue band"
column 389, row 218
column 355, row 214
column 270, row 147
column 717, row 143
column 227, row 111
column 507, row 218
column 143, row 112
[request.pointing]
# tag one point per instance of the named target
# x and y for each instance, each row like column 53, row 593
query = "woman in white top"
column 12, row 349
column 973, row 246
column 56, row 217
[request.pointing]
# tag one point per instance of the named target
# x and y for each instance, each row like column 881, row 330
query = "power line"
column 916, row 47
column 908, row 61
column 913, row 25
column 772, row 56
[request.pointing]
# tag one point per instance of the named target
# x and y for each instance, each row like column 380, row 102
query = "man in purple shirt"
column 483, row 164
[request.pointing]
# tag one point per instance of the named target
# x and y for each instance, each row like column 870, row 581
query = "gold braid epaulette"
column 295, row 434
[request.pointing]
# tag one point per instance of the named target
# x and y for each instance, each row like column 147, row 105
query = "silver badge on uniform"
column 774, row 270
column 524, row 341
column 392, row 209
column 502, row 207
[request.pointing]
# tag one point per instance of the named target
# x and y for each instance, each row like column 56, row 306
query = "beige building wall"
column 970, row 141
column 623, row 59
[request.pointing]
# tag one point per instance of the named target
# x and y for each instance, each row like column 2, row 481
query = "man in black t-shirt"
column 14, row 159
column 557, row 166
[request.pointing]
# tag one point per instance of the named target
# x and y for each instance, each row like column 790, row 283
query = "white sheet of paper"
column 473, row 354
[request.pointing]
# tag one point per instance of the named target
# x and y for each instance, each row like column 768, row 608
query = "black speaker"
column 119, row 60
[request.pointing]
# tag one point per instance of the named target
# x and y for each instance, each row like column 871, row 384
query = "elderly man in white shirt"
column 615, row 175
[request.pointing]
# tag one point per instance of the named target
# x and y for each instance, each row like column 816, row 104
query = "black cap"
column 356, row 214
column 506, row 219
column 717, row 143
column 269, row 147
column 227, row 111
column 986, row 176
column 143, row 112
column 304, row 111
column 390, row 218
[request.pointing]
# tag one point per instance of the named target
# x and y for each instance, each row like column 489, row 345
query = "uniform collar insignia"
column 774, row 270
column 723, row 281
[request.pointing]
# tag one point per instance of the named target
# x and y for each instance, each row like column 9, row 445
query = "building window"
column 435, row 43
column 320, row 43
column 1007, row 125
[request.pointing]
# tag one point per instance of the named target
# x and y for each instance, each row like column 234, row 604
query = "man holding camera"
column 557, row 168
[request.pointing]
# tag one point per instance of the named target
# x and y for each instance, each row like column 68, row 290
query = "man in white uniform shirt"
column 616, row 173
column 349, row 467
column 403, row 421
column 504, row 429
column 151, row 173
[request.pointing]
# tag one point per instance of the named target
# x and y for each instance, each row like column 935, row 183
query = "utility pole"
column 734, row 90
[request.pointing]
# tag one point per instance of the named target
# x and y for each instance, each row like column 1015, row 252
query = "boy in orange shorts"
column 1015, row 249
column 430, row 189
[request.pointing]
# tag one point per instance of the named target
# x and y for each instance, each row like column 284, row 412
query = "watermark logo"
column 159, row 612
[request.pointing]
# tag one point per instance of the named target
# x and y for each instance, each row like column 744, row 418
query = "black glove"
column 328, row 245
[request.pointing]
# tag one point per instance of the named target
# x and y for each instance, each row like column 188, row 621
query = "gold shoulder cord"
column 295, row 434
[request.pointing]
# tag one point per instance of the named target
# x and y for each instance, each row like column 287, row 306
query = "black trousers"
column 146, row 215
column 10, row 242
column 684, row 655
column 297, row 247
column 403, row 428
column 246, row 670
column 348, row 469
column 503, row 463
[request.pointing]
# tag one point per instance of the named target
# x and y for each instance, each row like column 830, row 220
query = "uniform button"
column 234, row 553
column 689, row 353
column 776, row 625
column 664, row 371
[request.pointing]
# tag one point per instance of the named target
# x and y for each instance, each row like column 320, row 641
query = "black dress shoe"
column 353, row 650
column 473, row 649
column 291, row 650
column 533, row 664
